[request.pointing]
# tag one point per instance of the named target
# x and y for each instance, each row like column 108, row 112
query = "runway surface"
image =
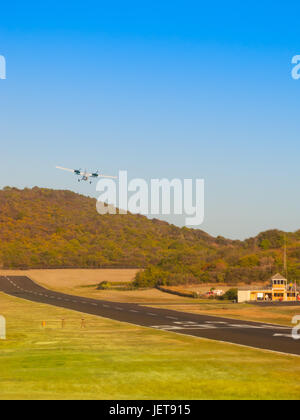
column 253, row 334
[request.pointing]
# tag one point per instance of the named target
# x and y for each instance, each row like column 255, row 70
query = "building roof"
column 278, row 277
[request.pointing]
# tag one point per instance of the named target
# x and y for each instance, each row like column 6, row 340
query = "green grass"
column 112, row 360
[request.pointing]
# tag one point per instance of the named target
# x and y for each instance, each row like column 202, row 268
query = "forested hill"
column 41, row 228
column 49, row 228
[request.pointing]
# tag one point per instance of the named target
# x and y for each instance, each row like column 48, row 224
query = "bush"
column 231, row 294
column 149, row 277
column 104, row 285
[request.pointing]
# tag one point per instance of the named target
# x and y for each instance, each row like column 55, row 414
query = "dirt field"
column 68, row 279
column 83, row 283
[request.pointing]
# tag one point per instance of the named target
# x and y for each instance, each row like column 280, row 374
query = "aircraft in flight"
column 85, row 175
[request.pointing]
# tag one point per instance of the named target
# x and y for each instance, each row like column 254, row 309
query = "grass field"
column 112, row 360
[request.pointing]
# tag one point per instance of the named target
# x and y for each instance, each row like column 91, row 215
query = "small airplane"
column 84, row 175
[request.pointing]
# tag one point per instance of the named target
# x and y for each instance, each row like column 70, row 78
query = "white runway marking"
column 283, row 335
column 244, row 326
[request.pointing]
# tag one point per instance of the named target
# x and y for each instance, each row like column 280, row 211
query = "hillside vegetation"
column 42, row 228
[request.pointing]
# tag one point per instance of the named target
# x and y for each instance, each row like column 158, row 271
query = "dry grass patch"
column 71, row 278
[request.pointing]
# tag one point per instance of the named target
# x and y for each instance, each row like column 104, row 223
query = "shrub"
column 104, row 285
column 231, row 294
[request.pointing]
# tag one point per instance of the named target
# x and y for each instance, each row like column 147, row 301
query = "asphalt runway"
column 258, row 335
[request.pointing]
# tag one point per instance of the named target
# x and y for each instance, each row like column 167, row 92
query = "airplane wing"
column 79, row 172
column 108, row 176
column 96, row 175
column 65, row 169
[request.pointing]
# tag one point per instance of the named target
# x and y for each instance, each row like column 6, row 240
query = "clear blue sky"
column 162, row 89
